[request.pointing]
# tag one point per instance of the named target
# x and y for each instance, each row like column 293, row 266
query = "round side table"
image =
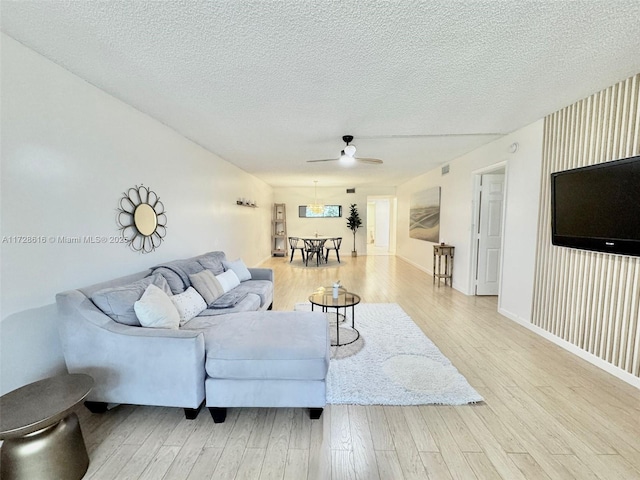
column 323, row 297
column 41, row 433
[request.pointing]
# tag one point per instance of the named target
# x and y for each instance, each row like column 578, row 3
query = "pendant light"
column 316, row 208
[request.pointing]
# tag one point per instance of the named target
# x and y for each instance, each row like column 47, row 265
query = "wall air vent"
column 445, row 169
column 351, row 190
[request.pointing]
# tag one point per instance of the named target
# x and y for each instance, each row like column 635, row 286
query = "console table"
column 443, row 253
column 41, row 433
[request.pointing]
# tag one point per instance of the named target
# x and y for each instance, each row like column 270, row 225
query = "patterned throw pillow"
column 189, row 304
column 207, row 285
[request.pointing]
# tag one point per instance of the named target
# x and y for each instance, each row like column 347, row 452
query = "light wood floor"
column 547, row 413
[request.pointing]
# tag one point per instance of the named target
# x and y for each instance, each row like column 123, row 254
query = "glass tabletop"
column 323, row 297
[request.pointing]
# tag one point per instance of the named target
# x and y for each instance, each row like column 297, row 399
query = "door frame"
column 393, row 219
column 475, row 221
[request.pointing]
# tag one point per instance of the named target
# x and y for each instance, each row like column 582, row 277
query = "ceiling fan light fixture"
column 348, row 157
column 350, row 150
column 346, row 160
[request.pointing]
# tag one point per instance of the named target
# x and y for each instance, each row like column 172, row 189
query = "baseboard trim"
column 570, row 347
column 265, row 259
column 419, row 267
column 455, row 286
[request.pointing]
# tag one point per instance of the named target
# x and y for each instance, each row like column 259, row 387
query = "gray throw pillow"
column 173, row 279
column 207, row 285
column 213, row 261
column 117, row 302
column 239, row 268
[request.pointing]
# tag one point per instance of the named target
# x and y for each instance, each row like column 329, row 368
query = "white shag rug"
column 392, row 363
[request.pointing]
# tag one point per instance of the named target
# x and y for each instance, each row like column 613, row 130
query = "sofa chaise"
column 244, row 355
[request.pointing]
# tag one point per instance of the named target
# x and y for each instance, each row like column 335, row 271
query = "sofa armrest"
column 145, row 369
column 261, row 274
column 136, row 365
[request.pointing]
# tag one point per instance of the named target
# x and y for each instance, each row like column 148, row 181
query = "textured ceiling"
column 268, row 85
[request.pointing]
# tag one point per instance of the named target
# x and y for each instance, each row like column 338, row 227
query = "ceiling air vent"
column 351, row 190
column 445, row 169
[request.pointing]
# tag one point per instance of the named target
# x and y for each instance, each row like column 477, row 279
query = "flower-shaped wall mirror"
column 142, row 219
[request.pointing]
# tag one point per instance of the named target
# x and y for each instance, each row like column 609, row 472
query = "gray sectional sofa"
column 239, row 356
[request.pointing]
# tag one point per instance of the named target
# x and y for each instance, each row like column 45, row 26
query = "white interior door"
column 382, row 224
column 490, row 234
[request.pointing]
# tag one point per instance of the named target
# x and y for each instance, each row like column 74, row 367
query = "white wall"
column 69, row 150
column 521, row 215
column 334, row 227
column 524, row 170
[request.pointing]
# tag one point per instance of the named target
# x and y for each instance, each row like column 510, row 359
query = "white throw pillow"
column 229, row 280
column 189, row 304
column 156, row 310
column 239, row 268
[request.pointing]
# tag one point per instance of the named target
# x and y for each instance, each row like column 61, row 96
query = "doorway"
column 489, row 195
column 381, row 221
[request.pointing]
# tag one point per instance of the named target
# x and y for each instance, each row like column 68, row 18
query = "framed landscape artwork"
column 424, row 215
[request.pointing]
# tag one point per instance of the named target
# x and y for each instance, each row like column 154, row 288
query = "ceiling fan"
column 348, row 155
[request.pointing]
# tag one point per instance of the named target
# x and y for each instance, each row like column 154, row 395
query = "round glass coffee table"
column 323, row 297
column 41, row 432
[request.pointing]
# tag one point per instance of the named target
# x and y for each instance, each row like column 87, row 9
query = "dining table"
column 314, row 245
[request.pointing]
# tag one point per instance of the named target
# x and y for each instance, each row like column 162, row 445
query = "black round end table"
column 323, row 297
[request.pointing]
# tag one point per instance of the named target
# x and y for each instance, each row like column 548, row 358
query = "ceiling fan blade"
column 373, row 161
column 323, row 160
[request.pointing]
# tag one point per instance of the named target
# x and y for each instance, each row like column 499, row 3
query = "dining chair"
column 294, row 243
column 336, row 246
column 314, row 246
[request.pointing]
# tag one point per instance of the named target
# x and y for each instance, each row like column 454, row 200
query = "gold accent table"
column 41, row 432
column 441, row 252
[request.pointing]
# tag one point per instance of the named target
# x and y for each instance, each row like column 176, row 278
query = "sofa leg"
column 314, row 413
column 270, row 306
column 192, row 413
column 218, row 414
column 96, row 407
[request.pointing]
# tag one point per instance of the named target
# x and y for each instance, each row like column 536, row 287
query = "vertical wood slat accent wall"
column 590, row 299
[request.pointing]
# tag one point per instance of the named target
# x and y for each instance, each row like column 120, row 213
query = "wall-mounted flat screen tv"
column 598, row 207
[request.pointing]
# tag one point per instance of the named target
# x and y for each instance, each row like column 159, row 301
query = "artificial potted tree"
column 354, row 222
